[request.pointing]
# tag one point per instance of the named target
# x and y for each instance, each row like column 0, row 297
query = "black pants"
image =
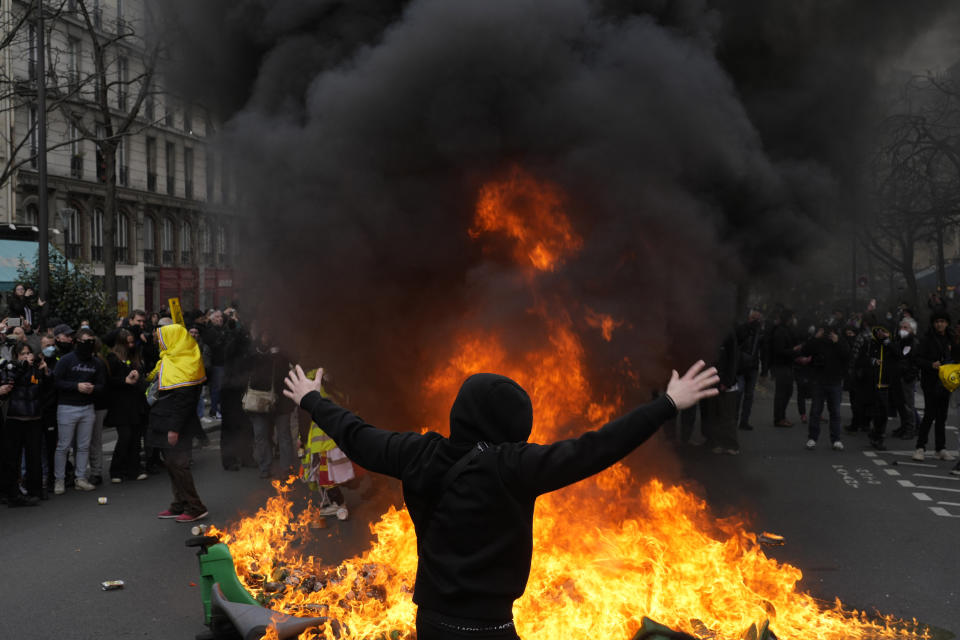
column 236, row 431
column 125, row 462
column 718, row 420
column 936, row 403
column 22, row 437
column 436, row 626
column 879, row 412
column 783, row 375
column 185, row 497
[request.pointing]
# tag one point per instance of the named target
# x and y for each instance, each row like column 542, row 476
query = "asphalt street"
column 874, row 529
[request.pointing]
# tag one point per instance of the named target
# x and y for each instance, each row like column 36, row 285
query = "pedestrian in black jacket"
column 905, row 378
column 828, row 355
column 78, row 376
column 876, row 362
column 126, row 407
column 784, row 349
column 471, row 496
column 718, row 414
column 937, row 348
column 23, row 429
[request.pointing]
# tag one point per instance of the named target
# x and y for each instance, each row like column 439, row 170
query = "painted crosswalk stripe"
column 879, row 462
column 949, row 504
column 891, row 472
column 916, row 464
column 939, row 489
column 922, row 497
column 906, row 483
column 870, row 454
column 940, row 511
column 930, row 475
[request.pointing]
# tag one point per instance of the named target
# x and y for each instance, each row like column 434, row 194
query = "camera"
column 13, row 322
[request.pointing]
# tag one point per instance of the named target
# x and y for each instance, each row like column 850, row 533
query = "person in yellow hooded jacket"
column 179, row 375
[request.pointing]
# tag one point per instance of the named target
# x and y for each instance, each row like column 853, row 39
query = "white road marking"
column 939, row 489
column 950, row 504
column 922, row 497
column 916, row 464
column 879, row 462
column 891, row 472
column 870, row 454
column 930, row 475
column 940, row 511
column 906, row 483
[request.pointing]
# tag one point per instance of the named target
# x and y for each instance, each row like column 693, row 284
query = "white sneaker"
column 142, row 476
column 811, row 444
column 116, row 480
column 943, row 454
column 918, row 455
column 330, row 510
column 838, row 446
column 82, row 484
column 58, row 487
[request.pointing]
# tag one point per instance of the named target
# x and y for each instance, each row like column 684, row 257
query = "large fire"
column 608, row 551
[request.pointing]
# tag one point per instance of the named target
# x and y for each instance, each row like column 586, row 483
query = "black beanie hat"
column 939, row 315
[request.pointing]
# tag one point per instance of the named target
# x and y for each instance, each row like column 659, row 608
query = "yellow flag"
column 176, row 313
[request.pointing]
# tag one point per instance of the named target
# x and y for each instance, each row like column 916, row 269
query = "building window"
column 122, row 80
column 73, row 60
column 149, row 240
column 186, row 235
column 121, row 238
column 96, row 236
column 167, row 241
column 76, row 158
column 31, row 215
column 71, row 229
column 206, row 244
column 188, row 173
column 171, row 168
column 34, row 152
column 221, row 245
column 151, row 164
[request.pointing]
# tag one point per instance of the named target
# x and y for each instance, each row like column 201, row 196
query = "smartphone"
column 13, row 322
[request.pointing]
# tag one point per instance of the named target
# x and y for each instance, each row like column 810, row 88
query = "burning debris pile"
column 608, row 551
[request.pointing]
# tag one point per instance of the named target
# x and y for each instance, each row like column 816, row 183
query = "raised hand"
column 695, row 385
column 299, row 385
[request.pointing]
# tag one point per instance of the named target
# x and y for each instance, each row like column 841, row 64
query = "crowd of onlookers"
column 61, row 386
column 878, row 358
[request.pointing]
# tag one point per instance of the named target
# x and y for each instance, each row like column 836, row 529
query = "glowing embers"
column 531, row 213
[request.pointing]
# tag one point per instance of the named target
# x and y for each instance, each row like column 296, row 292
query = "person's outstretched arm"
column 378, row 450
column 540, row 469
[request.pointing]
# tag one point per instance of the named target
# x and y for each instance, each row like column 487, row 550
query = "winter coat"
column 475, row 531
column 30, row 386
column 783, row 341
column 828, row 363
column 267, row 369
column 934, row 347
column 750, row 343
column 126, row 403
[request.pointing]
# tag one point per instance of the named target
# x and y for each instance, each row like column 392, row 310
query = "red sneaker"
column 186, row 517
column 166, row 513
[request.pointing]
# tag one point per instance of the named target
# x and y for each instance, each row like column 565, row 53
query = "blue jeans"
column 830, row 393
column 263, row 424
column 215, row 381
column 73, row 420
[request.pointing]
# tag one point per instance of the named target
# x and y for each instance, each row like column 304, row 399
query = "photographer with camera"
column 23, row 431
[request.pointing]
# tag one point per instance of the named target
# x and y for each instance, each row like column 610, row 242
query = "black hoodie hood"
column 490, row 408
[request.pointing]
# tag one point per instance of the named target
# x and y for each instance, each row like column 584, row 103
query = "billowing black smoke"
column 699, row 143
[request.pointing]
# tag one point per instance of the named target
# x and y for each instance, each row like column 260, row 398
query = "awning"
column 12, row 253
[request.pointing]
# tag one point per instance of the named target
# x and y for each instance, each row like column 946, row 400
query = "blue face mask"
column 49, row 351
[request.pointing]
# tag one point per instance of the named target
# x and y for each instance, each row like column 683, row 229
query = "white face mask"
column 904, row 333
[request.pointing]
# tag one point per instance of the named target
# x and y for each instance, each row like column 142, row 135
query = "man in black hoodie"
column 471, row 496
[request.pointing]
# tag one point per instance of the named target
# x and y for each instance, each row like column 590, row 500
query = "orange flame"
column 607, row 551
column 531, row 213
column 604, row 322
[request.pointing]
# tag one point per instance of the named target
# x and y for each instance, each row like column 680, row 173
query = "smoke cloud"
column 698, row 143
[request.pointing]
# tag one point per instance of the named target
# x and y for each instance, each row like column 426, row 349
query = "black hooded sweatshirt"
column 475, row 541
